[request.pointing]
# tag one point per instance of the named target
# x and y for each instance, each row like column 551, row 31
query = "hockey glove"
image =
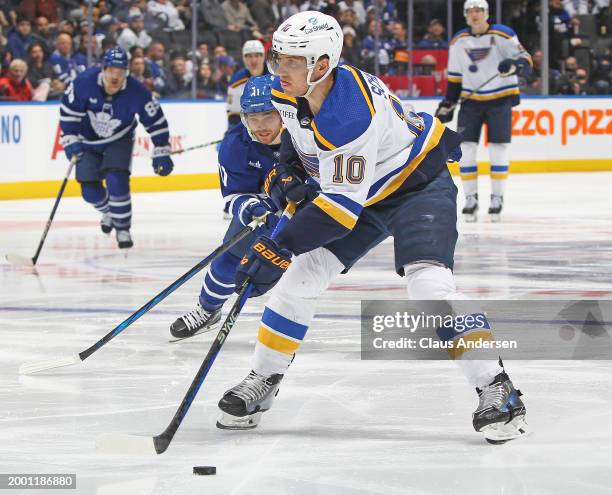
column 162, row 163
column 445, row 111
column 507, row 67
column 264, row 264
column 72, row 147
column 253, row 208
column 282, row 185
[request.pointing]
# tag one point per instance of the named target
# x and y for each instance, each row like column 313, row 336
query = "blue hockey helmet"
column 257, row 95
column 115, row 57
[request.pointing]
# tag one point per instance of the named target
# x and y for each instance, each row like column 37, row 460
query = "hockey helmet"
column 476, row 4
column 115, row 57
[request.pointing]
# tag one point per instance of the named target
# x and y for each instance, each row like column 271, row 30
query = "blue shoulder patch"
column 459, row 33
column 234, row 147
column 503, row 29
column 239, row 75
column 346, row 112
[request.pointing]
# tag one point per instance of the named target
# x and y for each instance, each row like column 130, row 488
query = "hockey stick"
column 138, row 444
column 35, row 367
column 191, row 148
column 462, row 100
column 15, row 259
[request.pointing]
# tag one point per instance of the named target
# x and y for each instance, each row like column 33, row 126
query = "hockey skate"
column 500, row 414
column 497, row 202
column 242, row 406
column 106, row 223
column 470, row 210
column 198, row 320
column 124, row 239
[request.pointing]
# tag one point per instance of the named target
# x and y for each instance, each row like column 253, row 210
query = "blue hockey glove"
column 507, row 67
column 265, row 264
column 72, row 147
column 282, row 184
column 445, row 111
column 253, row 208
column 162, row 163
column 455, row 155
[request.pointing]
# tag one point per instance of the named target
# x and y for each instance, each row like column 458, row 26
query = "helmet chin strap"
column 311, row 85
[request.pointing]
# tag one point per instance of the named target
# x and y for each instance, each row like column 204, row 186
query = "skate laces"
column 195, row 317
column 252, row 388
column 493, row 395
column 471, row 201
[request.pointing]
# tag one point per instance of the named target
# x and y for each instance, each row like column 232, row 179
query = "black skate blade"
column 199, row 332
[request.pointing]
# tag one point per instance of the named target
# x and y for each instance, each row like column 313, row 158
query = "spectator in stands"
column 15, row 86
column 357, row 7
column 140, row 71
column 61, row 59
column 226, row 67
column 426, row 66
column 213, row 15
column 531, row 84
column 264, row 13
column 202, row 54
column 134, row 34
column 435, row 39
column 350, row 49
column 219, row 52
column 20, row 39
column 178, row 83
column 398, row 49
column 347, row 18
column 66, row 27
column 288, row 8
column 368, row 46
column 559, row 30
column 109, row 27
column 137, row 51
column 79, row 59
column 156, row 62
column 386, row 10
column 239, row 17
column 206, row 86
column 41, row 75
column 34, row 8
column 576, row 7
column 44, row 33
column 570, row 65
column 166, row 14
column 319, row 5
column 601, row 74
column 8, row 14
column 581, row 83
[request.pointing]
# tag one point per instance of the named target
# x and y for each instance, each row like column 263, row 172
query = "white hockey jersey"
column 361, row 147
column 474, row 58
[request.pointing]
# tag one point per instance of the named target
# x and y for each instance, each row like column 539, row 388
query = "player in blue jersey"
column 248, row 152
column 97, row 119
column 382, row 172
column 476, row 55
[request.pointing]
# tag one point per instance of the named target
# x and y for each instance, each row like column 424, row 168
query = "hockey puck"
column 204, row 470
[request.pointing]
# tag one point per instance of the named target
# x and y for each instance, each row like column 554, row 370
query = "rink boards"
column 562, row 134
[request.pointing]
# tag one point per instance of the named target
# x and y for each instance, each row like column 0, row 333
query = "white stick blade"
column 48, row 364
column 120, row 443
column 15, row 259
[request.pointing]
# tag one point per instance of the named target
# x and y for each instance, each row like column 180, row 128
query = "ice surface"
column 340, row 425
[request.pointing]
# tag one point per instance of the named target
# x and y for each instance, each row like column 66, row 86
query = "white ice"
column 340, row 425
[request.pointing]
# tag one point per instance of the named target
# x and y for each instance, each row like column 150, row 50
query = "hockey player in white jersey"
column 253, row 57
column 381, row 173
column 476, row 54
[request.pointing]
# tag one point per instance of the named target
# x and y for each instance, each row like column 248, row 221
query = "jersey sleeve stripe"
column 323, row 143
column 344, row 217
column 458, row 37
column 344, row 201
column 281, row 97
column 239, row 82
column 70, row 111
column 499, row 33
column 392, row 186
column 363, row 87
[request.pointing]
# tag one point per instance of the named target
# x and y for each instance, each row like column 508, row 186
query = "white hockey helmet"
column 252, row 46
column 476, row 4
column 311, row 35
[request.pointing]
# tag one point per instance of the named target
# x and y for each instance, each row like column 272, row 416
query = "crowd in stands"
column 43, row 43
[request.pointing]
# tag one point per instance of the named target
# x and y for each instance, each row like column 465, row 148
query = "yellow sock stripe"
column 499, row 175
column 336, row 213
column 277, row 342
column 472, row 176
column 455, row 353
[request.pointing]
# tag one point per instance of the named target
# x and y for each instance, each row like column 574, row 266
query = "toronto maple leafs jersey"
column 243, row 166
column 89, row 114
column 474, row 58
column 362, row 148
